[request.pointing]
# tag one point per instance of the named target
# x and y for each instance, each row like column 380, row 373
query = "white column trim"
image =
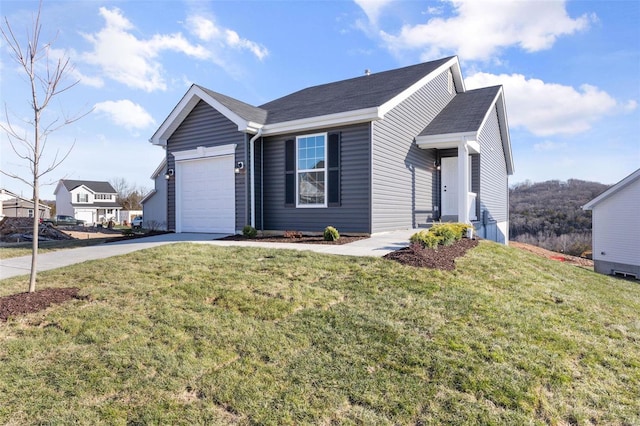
column 463, row 182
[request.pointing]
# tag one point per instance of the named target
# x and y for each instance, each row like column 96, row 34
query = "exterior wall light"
column 169, row 173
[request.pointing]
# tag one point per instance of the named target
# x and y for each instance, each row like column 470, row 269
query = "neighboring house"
column 128, row 215
column 91, row 201
column 13, row 205
column 154, row 204
column 616, row 232
column 398, row 149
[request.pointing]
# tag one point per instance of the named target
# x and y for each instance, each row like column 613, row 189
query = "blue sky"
column 571, row 71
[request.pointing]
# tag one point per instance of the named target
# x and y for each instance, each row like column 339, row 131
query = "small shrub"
column 426, row 239
column 446, row 233
column 249, row 231
column 460, row 229
column 331, row 234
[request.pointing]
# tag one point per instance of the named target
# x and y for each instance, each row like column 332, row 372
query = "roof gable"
column 248, row 118
column 94, row 186
column 465, row 116
column 633, row 177
column 354, row 100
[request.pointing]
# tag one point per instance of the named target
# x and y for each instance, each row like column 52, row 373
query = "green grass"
column 197, row 334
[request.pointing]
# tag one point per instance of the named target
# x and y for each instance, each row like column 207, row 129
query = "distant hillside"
column 549, row 214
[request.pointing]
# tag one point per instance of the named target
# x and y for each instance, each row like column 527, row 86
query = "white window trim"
column 324, row 169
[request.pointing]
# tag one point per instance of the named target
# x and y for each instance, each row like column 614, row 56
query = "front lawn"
column 198, row 334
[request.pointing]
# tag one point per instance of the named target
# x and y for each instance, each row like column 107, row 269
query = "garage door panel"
column 207, row 195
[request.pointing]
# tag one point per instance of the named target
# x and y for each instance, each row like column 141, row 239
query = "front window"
column 30, row 213
column 311, row 154
column 83, row 198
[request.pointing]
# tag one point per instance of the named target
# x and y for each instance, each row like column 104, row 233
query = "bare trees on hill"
column 549, row 214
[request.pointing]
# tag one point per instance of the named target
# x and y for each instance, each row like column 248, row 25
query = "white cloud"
column 372, row 8
column 126, row 114
column 547, row 108
column 479, row 30
column 207, row 31
column 134, row 62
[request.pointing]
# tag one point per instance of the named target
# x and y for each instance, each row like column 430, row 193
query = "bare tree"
column 129, row 195
column 47, row 79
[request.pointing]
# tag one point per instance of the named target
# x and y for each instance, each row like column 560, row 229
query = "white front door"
column 449, row 186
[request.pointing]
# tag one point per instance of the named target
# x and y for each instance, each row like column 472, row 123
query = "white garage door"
column 206, row 195
column 86, row 215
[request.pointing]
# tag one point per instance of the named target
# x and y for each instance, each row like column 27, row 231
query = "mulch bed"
column 441, row 258
column 26, row 303
column 305, row 239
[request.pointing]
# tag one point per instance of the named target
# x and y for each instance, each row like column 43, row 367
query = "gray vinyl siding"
column 206, row 127
column 154, row 209
column 494, row 187
column 352, row 216
column 403, row 176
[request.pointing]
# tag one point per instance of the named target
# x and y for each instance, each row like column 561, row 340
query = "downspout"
column 252, row 174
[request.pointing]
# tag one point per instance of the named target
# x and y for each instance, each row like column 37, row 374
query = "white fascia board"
column 185, row 106
column 504, row 132
column 404, row 95
column 148, row 196
column 614, row 189
column 323, row 121
column 160, row 168
column 449, row 140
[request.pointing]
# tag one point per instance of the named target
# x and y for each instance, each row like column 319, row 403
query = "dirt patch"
column 91, row 233
column 442, row 258
column 560, row 257
column 26, row 303
column 305, row 239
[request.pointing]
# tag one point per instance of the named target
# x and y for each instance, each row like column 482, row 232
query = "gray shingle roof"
column 352, row 94
column 347, row 95
column 244, row 110
column 464, row 113
column 95, row 186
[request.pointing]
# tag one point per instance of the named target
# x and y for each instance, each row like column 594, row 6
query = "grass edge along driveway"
column 193, row 333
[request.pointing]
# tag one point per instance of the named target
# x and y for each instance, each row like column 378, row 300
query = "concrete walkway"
column 377, row 245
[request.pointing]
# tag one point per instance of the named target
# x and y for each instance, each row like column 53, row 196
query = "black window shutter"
column 334, row 169
column 290, row 173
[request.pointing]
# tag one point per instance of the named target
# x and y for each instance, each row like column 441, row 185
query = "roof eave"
column 613, row 190
column 504, row 131
column 323, row 121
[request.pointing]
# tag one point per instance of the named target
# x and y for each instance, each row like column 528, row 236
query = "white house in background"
column 616, row 230
column 91, row 201
column 154, row 204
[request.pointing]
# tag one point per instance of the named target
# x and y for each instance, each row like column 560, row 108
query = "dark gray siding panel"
column 353, row 213
column 494, row 191
column 204, row 126
column 403, row 175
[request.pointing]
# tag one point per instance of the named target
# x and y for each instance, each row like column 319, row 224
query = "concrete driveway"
column 377, row 245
